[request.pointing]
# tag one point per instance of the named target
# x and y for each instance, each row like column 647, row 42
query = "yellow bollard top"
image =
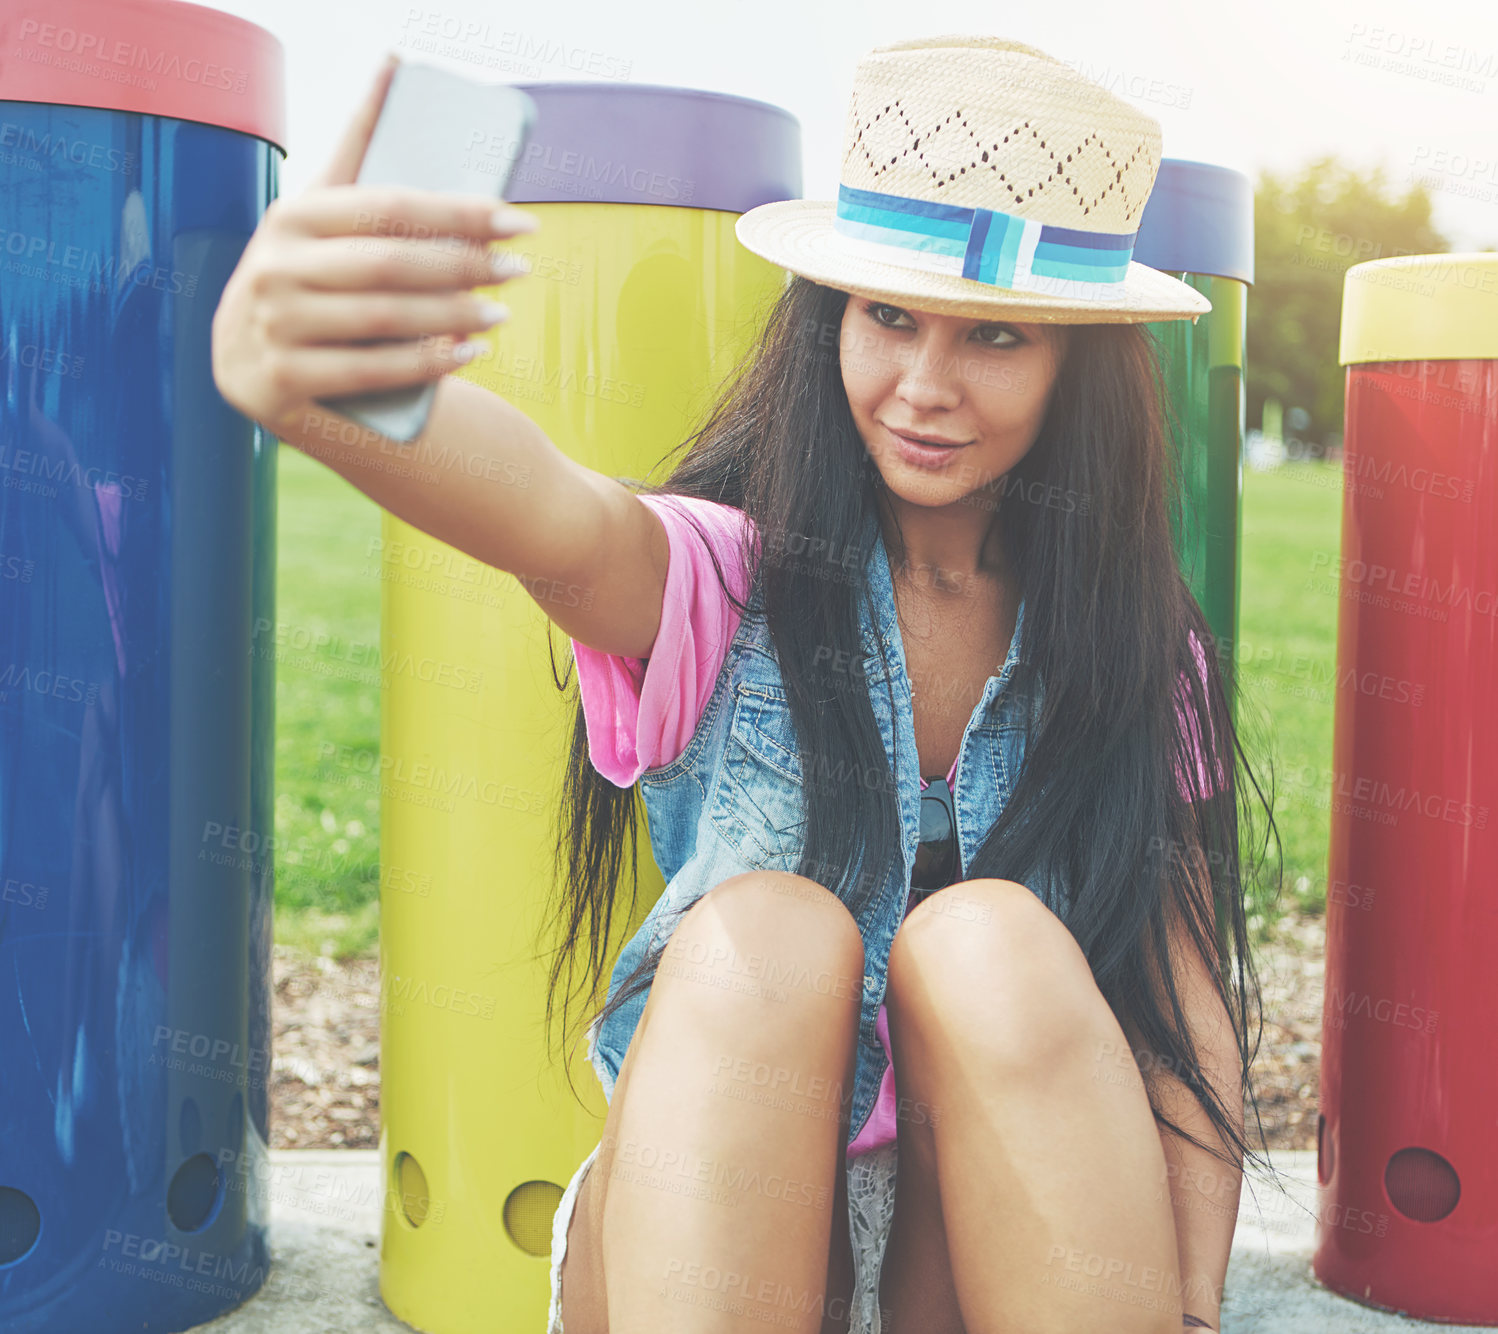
column 1420, row 308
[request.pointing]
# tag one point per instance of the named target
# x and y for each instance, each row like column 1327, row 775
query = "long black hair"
column 1098, row 802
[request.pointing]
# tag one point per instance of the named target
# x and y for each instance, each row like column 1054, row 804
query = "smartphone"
column 437, row 131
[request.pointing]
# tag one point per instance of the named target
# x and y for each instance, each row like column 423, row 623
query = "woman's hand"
column 341, row 263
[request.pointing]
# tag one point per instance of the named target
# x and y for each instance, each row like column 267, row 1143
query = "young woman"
column 938, row 768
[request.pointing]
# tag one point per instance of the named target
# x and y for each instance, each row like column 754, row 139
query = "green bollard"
column 1198, row 227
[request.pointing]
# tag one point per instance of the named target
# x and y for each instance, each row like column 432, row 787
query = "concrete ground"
column 325, row 1274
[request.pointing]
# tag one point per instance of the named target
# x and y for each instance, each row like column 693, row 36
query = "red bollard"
column 1407, row 1139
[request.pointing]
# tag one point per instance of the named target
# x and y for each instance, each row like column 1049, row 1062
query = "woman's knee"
column 782, row 929
column 988, row 958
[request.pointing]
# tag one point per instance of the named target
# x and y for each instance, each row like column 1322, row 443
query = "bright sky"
column 1258, row 83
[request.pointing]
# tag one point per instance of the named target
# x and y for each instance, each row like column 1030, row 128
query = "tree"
column 1308, row 231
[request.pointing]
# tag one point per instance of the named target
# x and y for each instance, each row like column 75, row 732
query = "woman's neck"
column 947, row 550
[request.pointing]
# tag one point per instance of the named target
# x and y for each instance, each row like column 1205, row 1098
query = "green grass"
column 327, row 689
column 327, row 711
column 1286, row 655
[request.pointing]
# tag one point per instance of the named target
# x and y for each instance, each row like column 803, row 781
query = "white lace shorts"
column 871, row 1209
column 559, row 1222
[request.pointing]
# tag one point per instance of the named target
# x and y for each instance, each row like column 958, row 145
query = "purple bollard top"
column 632, row 143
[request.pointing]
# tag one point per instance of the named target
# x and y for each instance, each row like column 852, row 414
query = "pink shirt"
column 642, row 712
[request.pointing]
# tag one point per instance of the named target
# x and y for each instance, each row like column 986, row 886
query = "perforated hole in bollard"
column 195, row 1194
column 1325, row 1150
column 1422, row 1184
column 20, row 1225
column 529, row 1212
column 412, row 1200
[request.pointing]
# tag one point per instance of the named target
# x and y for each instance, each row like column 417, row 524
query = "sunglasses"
column 936, row 853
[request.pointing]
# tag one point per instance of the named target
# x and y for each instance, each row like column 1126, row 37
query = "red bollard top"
column 156, row 57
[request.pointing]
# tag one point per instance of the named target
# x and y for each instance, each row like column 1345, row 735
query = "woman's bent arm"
column 1204, row 1191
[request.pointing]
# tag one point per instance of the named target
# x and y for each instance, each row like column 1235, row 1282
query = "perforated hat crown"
column 981, row 176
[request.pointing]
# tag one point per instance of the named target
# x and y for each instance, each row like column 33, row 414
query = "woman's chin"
column 930, row 490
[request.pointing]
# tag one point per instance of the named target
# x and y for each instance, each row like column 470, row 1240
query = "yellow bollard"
column 632, row 315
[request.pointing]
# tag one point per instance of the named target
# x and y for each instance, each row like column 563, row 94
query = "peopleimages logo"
column 24, row 145
column 68, row 48
column 33, row 255
column 1136, row 87
column 453, row 34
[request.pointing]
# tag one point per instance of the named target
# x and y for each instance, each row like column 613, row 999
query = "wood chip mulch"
column 325, row 1067
column 1287, row 1068
column 325, row 1089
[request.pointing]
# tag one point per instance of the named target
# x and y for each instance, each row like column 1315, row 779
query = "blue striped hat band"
column 983, row 244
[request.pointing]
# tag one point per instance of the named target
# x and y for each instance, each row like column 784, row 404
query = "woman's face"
column 983, row 384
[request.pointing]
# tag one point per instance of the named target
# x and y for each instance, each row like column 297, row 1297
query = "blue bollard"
column 137, row 566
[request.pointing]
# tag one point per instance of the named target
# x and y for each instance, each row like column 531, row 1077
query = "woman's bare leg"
column 711, row 1205
column 1030, row 1195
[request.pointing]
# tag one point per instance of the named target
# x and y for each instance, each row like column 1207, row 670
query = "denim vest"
column 731, row 802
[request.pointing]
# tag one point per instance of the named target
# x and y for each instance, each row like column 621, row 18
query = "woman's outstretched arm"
column 485, row 478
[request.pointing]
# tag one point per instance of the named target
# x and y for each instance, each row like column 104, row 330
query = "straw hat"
column 982, row 177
